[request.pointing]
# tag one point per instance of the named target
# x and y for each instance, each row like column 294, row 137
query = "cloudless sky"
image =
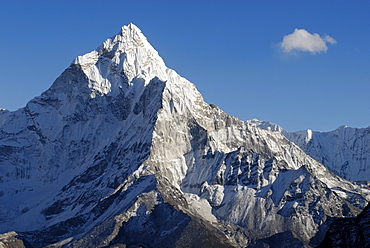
column 228, row 49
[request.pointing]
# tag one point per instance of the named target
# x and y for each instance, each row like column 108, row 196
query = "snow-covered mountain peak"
column 122, row 60
column 122, row 150
column 128, row 39
column 132, row 32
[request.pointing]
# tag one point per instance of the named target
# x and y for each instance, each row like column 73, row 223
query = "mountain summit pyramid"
column 122, row 150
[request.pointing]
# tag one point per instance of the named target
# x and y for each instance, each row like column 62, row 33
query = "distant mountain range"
column 345, row 151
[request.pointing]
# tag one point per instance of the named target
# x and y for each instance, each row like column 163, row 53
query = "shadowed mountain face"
column 122, row 150
column 349, row 232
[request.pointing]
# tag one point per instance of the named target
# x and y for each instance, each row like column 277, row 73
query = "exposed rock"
column 349, row 232
column 10, row 240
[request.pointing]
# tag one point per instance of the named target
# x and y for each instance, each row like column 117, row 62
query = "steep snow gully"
column 122, row 151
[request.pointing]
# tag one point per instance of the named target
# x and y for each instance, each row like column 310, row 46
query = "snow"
column 87, row 60
column 345, row 150
column 200, row 206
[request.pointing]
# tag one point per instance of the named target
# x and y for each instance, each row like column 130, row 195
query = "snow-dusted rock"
column 123, row 150
column 345, row 151
column 10, row 240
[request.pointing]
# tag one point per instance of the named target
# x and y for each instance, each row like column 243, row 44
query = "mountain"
column 349, row 232
column 345, row 151
column 123, row 152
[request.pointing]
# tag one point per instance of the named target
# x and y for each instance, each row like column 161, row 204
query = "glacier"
column 122, row 150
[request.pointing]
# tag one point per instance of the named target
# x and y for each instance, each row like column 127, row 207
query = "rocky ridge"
column 345, row 150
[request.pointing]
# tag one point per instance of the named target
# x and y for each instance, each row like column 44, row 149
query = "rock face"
column 122, row 151
column 345, row 151
column 349, row 232
column 9, row 240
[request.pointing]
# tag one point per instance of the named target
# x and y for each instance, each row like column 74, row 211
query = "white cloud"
column 301, row 40
column 329, row 39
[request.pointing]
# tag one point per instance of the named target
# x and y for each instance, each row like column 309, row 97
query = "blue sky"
column 231, row 50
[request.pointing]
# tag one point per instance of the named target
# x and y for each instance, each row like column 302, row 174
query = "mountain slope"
column 122, row 150
column 349, row 232
column 345, row 151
